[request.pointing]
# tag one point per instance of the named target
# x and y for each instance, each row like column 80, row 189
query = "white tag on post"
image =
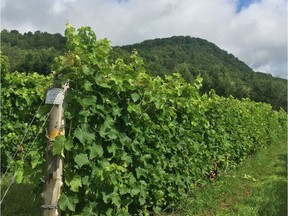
column 55, row 96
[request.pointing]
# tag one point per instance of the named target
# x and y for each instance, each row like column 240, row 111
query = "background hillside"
column 221, row 71
column 31, row 52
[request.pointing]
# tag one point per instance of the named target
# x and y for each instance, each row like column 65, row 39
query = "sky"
column 255, row 31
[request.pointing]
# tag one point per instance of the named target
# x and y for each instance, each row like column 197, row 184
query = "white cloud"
column 261, row 34
column 257, row 34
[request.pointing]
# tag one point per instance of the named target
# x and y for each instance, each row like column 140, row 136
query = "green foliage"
column 31, row 52
column 257, row 187
column 141, row 142
column 135, row 143
column 4, row 64
column 36, row 40
column 68, row 202
column 221, row 71
column 20, row 199
column 21, row 95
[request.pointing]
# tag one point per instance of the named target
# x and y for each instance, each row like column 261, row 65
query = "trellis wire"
column 30, row 146
column 26, row 132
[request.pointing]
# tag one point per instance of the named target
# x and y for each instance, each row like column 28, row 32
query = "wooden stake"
column 54, row 164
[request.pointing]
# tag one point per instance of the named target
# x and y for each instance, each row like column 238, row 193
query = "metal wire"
column 16, row 169
column 11, row 182
column 26, row 132
column 31, row 145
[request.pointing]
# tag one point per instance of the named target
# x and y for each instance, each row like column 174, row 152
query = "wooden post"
column 54, row 164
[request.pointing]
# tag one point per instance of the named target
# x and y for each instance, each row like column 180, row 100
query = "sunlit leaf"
column 75, row 183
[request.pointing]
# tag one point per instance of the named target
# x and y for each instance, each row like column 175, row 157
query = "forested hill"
column 31, row 52
column 223, row 72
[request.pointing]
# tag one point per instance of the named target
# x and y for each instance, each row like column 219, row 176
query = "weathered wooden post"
column 54, row 165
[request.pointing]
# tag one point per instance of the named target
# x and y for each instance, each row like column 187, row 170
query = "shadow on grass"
column 20, row 201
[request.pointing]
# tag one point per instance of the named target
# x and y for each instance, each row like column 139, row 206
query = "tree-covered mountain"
column 221, row 71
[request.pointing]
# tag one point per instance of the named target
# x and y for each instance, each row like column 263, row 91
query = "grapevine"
column 136, row 144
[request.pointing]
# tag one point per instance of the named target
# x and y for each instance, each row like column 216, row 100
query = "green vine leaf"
column 19, row 175
column 135, row 97
column 75, row 183
column 68, row 202
column 83, row 135
column 58, row 145
column 68, row 145
column 88, row 101
column 81, row 159
column 36, row 159
column 95, row 150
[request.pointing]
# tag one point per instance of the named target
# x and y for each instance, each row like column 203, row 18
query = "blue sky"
column 241, row 4
column 255, row 31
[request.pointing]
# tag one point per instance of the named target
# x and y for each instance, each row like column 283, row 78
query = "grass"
column 257, row 188
column 20, row 199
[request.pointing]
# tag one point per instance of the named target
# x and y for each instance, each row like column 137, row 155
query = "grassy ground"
column 258, row 187
column 19, row 200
